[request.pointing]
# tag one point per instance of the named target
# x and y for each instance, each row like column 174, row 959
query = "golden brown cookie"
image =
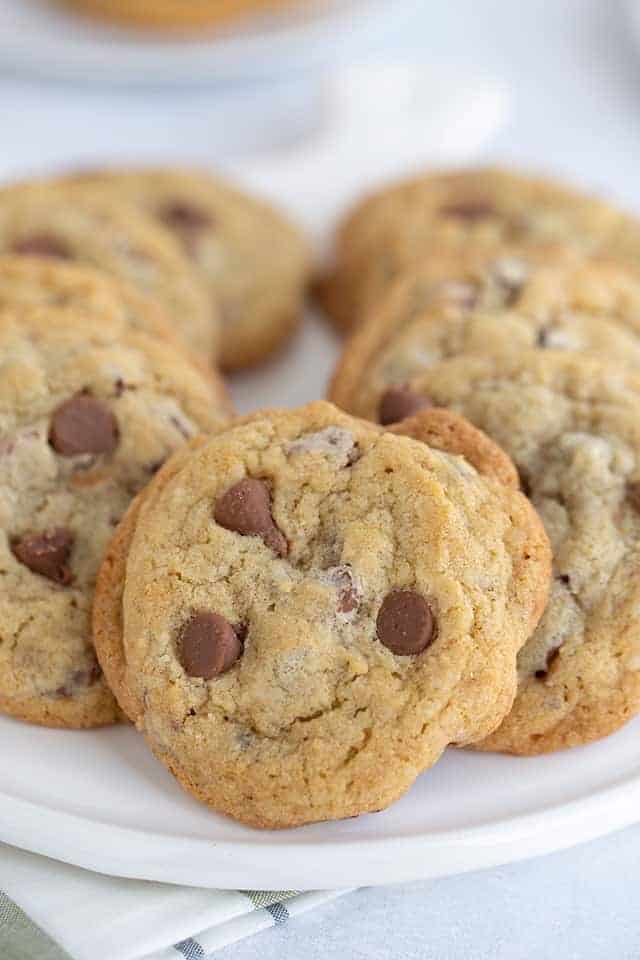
column 250, row 259
column 41, row 282
column 89, row 410
column 415, row 219
column 474, row 304
column 571, row 425
column 69, row 222
column 447, row 431
column 44, row 282
column 269, row 617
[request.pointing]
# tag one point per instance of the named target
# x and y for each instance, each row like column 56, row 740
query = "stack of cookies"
column 301, row 609
column 515, row 302
column 120, row 296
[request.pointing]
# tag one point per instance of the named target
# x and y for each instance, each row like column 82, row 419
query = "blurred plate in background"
column 38, row 38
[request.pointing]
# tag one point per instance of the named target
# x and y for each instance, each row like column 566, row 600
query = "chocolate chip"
column 342, row 580
column 187, row 222
column 183, row 216
column 470, row 210
column 209, row 645
column 564, row 578
column 83, row 425
column 405, row 623
column 46, row 553
column 246, row 508
column 120, row 386
column 42, row 245
column 79, row 681
column 397, row 403
column 633, row 495
column 347, row 597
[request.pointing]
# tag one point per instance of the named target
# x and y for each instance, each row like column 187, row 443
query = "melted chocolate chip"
column 208, row 645
column 470, row 210
column 397, row 403
column 245, row 508
column 83, row 424
column 46, row 553
column 405, row 623
column 42, row 245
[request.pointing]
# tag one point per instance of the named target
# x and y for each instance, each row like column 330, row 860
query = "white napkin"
column 93, row 917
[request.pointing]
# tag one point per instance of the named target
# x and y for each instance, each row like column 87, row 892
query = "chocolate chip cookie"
column 417, row 218
column 302, row 611
column 571, row 425
column 474, row 304
column 252, row 261
column 89, row 411
column 66, row 222
column 41, row 282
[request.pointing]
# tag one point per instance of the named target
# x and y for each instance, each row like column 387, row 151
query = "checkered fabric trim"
column 21, row 939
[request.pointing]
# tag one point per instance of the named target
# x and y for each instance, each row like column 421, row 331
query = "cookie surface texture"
column 473, row 304
column 73, row 223
column 250, row 259
column 392, row 229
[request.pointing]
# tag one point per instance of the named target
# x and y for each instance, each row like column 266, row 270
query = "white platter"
column 98, row 799
column 40, row 38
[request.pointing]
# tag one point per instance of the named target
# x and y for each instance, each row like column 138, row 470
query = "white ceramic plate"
column 38, row 37
column 100, row 800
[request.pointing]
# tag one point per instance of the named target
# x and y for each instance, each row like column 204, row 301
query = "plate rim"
column 241, row 864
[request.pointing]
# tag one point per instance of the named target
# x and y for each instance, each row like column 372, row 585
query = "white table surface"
column 576, row 78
